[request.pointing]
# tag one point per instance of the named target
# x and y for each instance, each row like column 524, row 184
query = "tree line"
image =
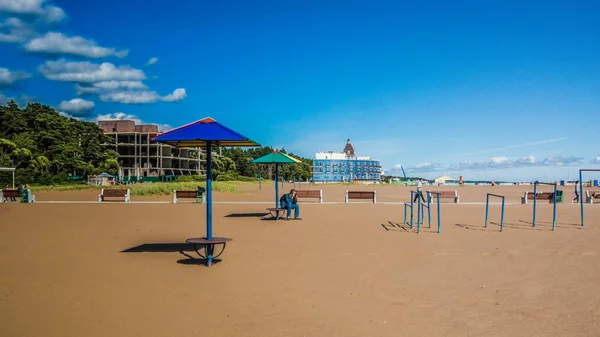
column 46, row 148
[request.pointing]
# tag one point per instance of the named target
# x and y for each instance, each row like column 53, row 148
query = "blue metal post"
column 438, row 211
column 554, row 211
column 429, row 208
column 412, row 202
column 534, row 200
column 487, row 200
column 502, row 216
column 581, row 195
column 405, row 212
column 276, row 186
column 209, row 194
column 419, row 215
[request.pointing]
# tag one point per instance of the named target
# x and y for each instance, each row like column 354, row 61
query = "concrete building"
column 139, row 157
column 344, row 166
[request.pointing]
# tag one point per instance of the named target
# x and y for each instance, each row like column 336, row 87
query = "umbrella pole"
column 209, row 193
column 276, row 186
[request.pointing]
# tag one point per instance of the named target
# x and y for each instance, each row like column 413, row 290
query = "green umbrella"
column 276, row 158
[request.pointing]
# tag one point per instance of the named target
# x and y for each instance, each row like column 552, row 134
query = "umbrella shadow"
column 195, row 261
column 170, row 247
column 246, row 215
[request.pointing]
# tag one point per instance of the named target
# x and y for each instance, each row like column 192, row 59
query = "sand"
column 344, row 270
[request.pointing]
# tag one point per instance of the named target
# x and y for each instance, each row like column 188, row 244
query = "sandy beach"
column 116, row 269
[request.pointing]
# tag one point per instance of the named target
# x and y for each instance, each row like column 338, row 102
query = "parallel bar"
column 554, row 211
column 487, row 202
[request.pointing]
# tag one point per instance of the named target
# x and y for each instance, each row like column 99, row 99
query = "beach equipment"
column 206, row 133
column 487, row 203
column 278, row 158
column 581, row 201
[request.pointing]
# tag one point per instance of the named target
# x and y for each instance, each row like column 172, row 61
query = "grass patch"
column 150, row 188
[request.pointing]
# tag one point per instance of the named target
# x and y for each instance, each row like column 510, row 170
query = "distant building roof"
column 442, row 179
column 348, row 149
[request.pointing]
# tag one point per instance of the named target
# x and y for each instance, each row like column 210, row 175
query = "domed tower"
column 349, row 150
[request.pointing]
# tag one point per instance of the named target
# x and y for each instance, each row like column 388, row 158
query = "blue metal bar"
column 554, row 211
column 209, row 194
column 502, row 216
column 438, row 211
column 412, row 202
column 581, row 194
column 276, row 186
column 487, row 205
column 405, row 213
column 429, row 208
column 419, row 210
column 534, row 200
column 487, row 200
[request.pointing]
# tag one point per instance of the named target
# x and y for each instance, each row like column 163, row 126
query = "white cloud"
column 122, row 116
column 37, row 8
column 131, row 97
column 595, row 160
column 177, row 95
column 142, row 97
column 77, row 107
column 58, row 43
column 87, row 72
column 9, row 78
column 99, row 87
column 152, row 61
column 13, row 30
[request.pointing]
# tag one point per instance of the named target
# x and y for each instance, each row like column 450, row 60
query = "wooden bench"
column 446, row 195
column 589, row 198
column 317, row 194
column 361, row 195
column 10, row 195
column 275, row 212
column 115, row 193
column 540, row 196
column 198, row 195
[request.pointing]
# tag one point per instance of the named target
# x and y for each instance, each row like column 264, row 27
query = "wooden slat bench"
column 199, row 196
column 540, row 196
column 589, row 197
column 8, row 195
column 276, row 213
column 446, row 195
column 114, row 193
column 316, row 194
column 361, row 195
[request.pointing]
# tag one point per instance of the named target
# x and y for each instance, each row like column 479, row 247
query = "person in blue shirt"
column 289, row 201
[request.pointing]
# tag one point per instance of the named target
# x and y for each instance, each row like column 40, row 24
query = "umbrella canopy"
column 105, row 175
column 276, row 158
column 200, row 133
column 207, row 133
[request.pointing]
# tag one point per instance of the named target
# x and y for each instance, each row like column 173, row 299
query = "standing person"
column 289, row 201
column 419, row 190
column 576, row 192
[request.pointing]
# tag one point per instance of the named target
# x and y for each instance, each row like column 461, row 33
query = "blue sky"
column 504, row 90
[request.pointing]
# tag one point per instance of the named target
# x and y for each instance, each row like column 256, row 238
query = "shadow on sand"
column 171, row 247
column 246, row 215
column 400, row 227
column 524, row 225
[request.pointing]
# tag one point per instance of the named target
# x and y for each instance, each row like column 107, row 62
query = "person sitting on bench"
column 289, row 201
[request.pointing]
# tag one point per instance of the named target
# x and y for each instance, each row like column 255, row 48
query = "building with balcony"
column 139, row 157
column 345, row 166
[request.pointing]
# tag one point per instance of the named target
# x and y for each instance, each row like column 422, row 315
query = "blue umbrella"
column 205, row 133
